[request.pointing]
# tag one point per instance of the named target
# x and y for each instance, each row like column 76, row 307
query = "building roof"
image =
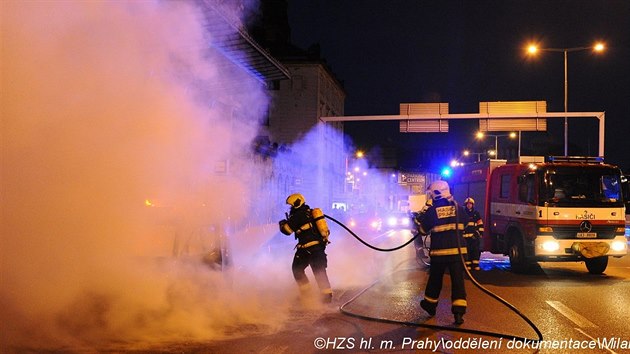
column 229, row 36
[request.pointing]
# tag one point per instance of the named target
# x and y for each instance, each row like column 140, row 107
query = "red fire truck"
column 554, row 209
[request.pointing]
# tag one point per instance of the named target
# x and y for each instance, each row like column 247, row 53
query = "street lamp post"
column 512, row 135
column 518, row 154
column 468, row 153
column 348, row 174
column 533, row 49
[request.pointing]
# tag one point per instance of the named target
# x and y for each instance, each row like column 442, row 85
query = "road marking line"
column 584, row 333
column 575, row 317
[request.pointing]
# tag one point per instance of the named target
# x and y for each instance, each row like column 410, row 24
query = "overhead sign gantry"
column 492, row 116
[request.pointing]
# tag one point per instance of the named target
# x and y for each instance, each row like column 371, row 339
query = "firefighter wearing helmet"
column 442, row 220
column 473, row 229
column 311, row 232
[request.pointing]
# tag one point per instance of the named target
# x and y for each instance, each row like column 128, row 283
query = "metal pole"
column 519, row 146
column 496, row 147
column 566, row 105
column 345, row 177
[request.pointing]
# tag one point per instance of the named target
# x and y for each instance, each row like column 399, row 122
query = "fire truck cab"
column 558, row 209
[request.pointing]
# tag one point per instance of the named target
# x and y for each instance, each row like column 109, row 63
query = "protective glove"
column 283, row 229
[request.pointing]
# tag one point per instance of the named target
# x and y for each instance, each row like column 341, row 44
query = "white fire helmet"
column 439, row 189
column 469, row 200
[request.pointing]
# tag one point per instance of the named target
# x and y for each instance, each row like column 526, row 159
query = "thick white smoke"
column 126, row 164
column 351, row 264
column 113, row 130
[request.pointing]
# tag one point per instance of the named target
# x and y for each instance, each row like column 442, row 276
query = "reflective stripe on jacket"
column 441, row 221
column 301, row 223
column 474, row 224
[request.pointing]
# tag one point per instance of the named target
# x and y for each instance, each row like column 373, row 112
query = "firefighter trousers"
column 472, row 256
column 315, row 257
column 434, row 284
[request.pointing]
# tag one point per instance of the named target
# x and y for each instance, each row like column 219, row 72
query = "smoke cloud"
column 113, row 125
column 118, row 139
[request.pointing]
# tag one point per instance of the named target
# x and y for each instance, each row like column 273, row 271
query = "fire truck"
column 548, row 209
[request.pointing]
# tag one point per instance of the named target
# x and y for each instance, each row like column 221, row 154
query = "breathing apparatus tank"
column 320, row 223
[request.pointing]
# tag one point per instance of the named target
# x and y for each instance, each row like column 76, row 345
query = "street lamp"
column 468, row 153
column 533, row 49
column 512, row 135
column 349, row 176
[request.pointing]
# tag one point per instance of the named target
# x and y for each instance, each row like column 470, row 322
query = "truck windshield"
column 576, row 186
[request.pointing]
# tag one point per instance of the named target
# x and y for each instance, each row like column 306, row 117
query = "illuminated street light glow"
column 480, row 135
column 533, row 49
column 357, row 155
column 467, row 153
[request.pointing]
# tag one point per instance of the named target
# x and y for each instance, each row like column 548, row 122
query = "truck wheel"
column 516, row 253
column 596, row 265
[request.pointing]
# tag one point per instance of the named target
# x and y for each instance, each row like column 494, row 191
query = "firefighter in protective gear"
column 415, row 217
column 473, row 229
column 441, row 220
column 312, row 234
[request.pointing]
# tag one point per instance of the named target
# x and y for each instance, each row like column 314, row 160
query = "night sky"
column 463, row 52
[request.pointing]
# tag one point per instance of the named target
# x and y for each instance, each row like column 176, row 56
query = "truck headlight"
column 618, row 246
column 551, row 246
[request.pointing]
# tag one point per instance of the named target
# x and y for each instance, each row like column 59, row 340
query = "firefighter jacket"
column 440, row 220
column 301, row 222
column 473, row 226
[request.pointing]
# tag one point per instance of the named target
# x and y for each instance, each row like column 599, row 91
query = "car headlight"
column 618, row 246
column 551, row 246
column 392, row 221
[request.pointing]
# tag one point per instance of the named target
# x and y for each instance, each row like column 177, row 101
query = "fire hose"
column 424, row 325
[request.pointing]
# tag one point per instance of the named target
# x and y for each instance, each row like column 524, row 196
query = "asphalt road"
column 575, row 312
